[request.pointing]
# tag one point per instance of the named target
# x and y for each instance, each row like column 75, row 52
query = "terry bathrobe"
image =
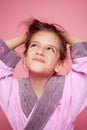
column 64, row 98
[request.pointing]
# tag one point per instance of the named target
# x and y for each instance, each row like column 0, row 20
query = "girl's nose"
column 40, row 51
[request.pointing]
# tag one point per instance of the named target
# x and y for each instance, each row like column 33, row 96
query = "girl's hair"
column 34, row 26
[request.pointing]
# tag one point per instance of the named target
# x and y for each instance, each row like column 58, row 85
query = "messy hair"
column 35, row 25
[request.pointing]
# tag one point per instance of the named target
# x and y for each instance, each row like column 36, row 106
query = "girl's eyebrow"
column 34, row 41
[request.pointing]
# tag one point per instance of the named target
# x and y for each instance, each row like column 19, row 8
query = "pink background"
column 71, row 14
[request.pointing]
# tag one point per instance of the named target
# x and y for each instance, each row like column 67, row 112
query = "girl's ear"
column 59, row 66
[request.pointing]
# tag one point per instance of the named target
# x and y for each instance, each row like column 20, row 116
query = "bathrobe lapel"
column 45, row 106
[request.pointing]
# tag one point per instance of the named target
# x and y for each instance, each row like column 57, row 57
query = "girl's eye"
column 33, row 45
column 51, row 49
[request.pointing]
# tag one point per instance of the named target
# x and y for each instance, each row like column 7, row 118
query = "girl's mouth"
column 39, row 60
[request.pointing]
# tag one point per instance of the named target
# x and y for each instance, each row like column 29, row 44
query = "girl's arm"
column 15, row 42
column 74, row 39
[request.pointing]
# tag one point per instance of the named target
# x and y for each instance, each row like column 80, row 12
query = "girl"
column 45, row 100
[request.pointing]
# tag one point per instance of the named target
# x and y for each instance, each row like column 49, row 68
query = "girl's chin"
column 36, row 71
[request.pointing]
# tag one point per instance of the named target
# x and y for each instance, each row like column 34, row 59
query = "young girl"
column 45, row 100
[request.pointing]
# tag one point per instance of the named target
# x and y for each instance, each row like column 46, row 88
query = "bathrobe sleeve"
column 79, row 57
column 8, row 60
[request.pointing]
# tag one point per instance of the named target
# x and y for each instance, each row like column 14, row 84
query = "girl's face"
column 43, row 53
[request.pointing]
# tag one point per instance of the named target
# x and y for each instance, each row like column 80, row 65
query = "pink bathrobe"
column 74, row 97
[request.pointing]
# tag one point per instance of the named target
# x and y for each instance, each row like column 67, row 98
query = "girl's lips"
column 39, row 60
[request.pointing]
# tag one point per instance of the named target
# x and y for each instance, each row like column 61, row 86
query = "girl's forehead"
column 46, row 37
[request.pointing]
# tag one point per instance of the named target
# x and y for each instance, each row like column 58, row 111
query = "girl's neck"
column 38, row 84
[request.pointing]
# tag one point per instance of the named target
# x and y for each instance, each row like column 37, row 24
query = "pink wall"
column 71, row 14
